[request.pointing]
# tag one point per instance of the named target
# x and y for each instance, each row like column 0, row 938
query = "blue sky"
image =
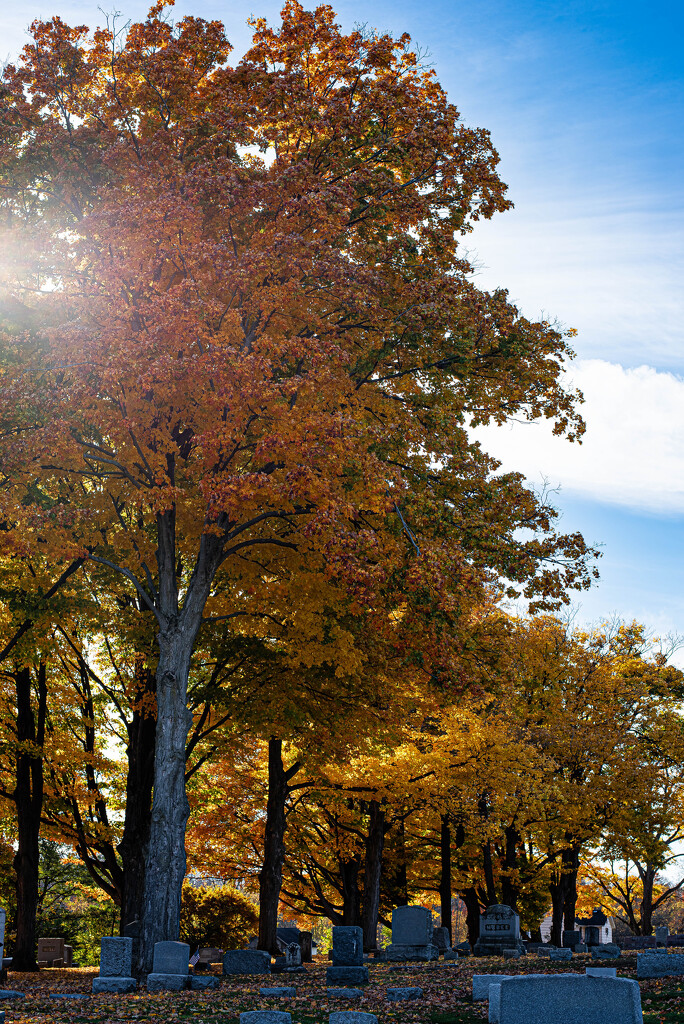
column 585, row 102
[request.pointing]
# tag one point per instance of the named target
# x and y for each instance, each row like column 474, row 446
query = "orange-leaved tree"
column 263, row 347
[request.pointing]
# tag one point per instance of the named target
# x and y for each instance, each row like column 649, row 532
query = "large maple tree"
column 263, row 347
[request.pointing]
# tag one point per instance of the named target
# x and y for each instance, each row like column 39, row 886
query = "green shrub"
column 216, row 915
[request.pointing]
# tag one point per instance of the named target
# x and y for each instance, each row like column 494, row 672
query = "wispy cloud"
column 633, row 451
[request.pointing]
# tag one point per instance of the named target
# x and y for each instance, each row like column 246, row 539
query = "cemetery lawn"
column 446, row 995
column 662, row 1001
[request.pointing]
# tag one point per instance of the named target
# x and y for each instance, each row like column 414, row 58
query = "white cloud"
column 632, row 453
column 611, row 269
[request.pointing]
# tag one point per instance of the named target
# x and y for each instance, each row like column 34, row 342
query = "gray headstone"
column 158, row 982
column 601, row 972
column 399, row 995
column 171, row 958
column 411, row 926
column 481, row 983
column 512, row 954
column 464, row 948
column 117, row 985
column 344, row 993
column 661, row 934
column 116, row 957
column 346, row 976
column 570, row 998
column 246, row 961
column 440, row 938
column 606, row 951
column 395, row 952
column 352, row 1017
column 494, row 1004
column 201, row 982
column 660, row 965
column 499, row 930
column 499, row 922
column 347, row 948
column 265, row 1017
column 560, row 954
column 279, row 991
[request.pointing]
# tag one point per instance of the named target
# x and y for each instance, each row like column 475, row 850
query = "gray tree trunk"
column 373, row 875
column 165, row 865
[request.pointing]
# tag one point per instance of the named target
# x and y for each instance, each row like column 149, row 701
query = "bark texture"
column 28, row 797
column 510, row 885
column 134, row 843
column 351, row 894
column 445, row 874
column 271, row 874
column 472, row 905
column 165, row 862
column 373, row 874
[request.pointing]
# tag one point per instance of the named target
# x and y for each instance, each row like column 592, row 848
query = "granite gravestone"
column 660, row 965
column 170, row 967
column 246, row 961
column 351, row 1017
column 440, row 939
column 265, row 1017
column 347, row 957
column 571, row 998
column 116, row 958
column 482, row 983
column 412, row 931
column 50, row 953
column 499, row 930
column 607, row 951
column 661, row 934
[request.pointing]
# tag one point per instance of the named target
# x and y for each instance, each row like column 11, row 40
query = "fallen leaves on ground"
column 446, row 995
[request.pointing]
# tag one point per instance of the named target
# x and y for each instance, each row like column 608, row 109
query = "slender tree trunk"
column 647, row 880
column 570, row 859
column 401, row 880
column 489, row 873
column 445, row 873
column 28, row 797
column 557, row 890
column 472, row 905
column 373, row 874
column 351, row 895
column 137, row 819
column 510, row 886
column 271, row 874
